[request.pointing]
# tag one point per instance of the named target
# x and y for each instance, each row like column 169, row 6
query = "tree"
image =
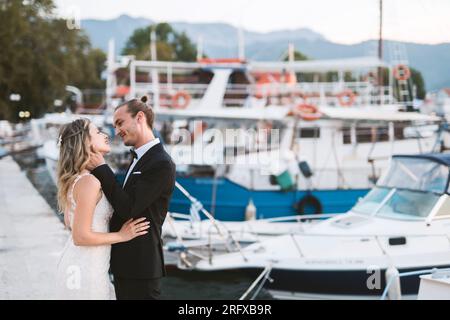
column 170, row 44
column 416, row 81
column 40, row 56
column 298, row 56
column 419, row 83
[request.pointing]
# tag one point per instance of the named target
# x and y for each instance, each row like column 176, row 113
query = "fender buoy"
column 308, row 205
column 346, row 98
column 180, row 100
column 307, row 112
column 402, row 72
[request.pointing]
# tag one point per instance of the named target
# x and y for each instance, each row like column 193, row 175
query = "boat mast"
column 380, row 46
column 241, row 44
column 380, row 56
column 154, row 72
column 380, row 39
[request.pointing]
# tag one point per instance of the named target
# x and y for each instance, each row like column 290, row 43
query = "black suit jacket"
column 144, row 195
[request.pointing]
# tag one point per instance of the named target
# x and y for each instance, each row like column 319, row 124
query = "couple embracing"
column 114, row 227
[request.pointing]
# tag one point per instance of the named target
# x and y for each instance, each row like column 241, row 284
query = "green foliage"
column 40, row 56
column 298, row 56
column 170, row 44
column 416, row 81
column 419, row 83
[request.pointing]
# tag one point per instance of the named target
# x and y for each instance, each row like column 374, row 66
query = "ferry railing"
column 319, row 93
column 327, row 92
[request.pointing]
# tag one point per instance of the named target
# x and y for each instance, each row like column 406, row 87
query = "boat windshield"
column 397, row 203
column 408, row 190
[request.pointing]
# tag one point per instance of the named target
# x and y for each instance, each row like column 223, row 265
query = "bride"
column 82, row 271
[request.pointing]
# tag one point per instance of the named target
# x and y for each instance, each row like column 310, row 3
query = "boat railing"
column 318, row 93
column 299, row 218
column 215, row 223
column 393, row 286
column 326, row 93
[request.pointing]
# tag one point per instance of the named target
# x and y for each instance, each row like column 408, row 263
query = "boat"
column 281, row 161
column 335, row 138
column 402, row 223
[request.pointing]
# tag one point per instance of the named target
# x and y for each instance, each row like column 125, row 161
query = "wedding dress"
column 82, row 271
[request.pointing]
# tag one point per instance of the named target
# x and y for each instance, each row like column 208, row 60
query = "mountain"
column 221, row 40
column 120, row 28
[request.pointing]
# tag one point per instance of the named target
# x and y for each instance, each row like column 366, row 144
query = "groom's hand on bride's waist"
column 95, row 160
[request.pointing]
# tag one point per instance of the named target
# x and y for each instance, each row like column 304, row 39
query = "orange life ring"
column 307, row 112
column 185, row 99
column 402, row 72
column 346, row 94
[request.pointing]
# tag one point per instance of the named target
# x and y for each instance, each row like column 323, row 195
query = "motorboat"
column 402, row 223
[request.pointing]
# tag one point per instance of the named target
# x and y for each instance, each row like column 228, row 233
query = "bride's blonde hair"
column 74, row 148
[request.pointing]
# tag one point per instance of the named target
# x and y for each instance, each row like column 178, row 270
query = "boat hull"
column 335, row 284
column 232, row 199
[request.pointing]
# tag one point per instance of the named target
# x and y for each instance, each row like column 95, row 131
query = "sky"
column 341, row 21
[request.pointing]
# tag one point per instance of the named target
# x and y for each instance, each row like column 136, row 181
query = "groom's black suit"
column 138, row 265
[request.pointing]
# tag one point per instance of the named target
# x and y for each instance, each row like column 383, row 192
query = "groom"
column 138, row 265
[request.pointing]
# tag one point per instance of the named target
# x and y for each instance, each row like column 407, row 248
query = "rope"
column 264, row 274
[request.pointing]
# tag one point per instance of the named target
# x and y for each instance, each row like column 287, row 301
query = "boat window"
column 370, row 203
column 309, row 133
column 366, row 134
column 416, row 174
column 397, row 203
column 408, row 204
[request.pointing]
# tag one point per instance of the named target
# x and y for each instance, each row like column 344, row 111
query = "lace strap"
column 72, row 200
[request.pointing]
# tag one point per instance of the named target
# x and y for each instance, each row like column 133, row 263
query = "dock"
column 31, row 238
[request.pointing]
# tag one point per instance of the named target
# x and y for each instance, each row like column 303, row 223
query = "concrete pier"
column 31, row 237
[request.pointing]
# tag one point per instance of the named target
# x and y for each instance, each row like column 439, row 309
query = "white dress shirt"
column 140, row 152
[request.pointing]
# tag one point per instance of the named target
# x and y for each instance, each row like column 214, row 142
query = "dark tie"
column 133, row 154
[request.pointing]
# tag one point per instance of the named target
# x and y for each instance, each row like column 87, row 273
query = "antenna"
column 110, row 79
column 154, row 71
column 199, row 48
column 291, row 52
column 153, row 56
column 241, row 44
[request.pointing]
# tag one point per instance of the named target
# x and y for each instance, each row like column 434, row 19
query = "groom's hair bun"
column 136, row 105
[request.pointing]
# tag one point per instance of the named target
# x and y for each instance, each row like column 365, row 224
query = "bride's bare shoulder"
column 87, row 184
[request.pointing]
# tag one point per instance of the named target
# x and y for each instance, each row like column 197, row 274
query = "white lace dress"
column 82, row 271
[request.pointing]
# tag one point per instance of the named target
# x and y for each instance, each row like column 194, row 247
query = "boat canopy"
column 424, row 172
column 410, row 189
